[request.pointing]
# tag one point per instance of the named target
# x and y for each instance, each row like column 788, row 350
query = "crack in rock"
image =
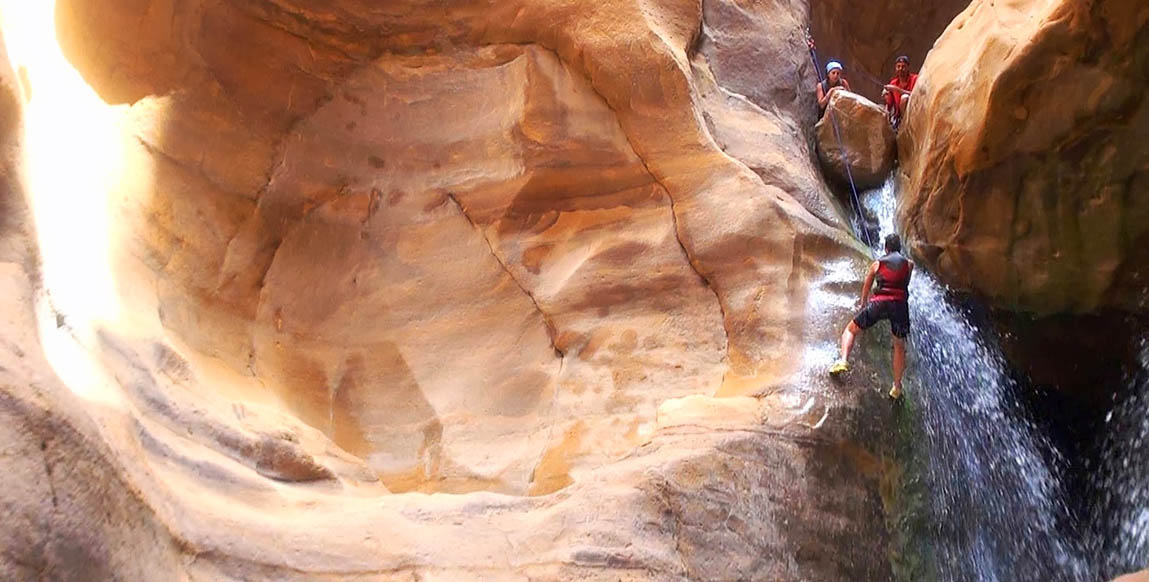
column 547, row 321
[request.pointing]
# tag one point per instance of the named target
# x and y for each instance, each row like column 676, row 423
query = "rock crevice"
column 547, row 320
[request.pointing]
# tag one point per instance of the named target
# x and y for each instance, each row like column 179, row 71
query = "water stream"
column 993, row 504
column 1120, row 510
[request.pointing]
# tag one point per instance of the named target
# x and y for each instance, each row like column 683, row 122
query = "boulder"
column 863, row 141
column 1024, row 175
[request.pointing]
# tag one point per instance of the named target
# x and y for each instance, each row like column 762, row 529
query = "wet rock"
column 1023, row 165
column 863, row 141
column 1049, row 351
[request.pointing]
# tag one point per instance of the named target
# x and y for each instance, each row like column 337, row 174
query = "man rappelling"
column 890, row 301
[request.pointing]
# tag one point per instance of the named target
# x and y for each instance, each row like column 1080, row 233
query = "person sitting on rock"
column 897, row 92
column 835, row 79
column 890, row 302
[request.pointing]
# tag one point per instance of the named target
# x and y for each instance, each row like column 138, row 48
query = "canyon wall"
column 511, row 290
column 867, row 38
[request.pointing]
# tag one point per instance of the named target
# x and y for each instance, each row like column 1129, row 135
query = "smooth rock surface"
column 367, row 249
column 1023, row 167
column 862, row 146
column 1142, row 576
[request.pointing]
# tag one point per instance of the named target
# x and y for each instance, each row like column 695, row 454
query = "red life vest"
column 893, row 278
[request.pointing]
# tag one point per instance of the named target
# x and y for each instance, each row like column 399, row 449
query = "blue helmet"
column 830, row 66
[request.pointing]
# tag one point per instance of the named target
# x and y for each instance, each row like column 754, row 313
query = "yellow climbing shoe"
column 895, row 392
column 840, row 367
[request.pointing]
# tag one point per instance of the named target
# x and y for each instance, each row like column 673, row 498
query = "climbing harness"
column 841, row 147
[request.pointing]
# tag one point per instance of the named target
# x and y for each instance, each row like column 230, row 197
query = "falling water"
column 993, row 504
column 1121, row 511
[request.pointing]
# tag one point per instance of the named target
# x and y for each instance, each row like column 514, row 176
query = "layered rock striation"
column 381, row 214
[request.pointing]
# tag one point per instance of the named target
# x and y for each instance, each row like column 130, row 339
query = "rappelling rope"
column 881, row 83
column 873, row 79
column 886, row 87
column 841, row 146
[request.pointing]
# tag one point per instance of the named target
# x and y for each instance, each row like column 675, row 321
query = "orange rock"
column 404, row 291
column 863, row 141
column 1023, row 162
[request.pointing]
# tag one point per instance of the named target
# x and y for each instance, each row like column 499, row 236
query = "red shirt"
column 908, row 85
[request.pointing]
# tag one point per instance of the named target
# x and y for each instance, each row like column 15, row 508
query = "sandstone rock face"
column 867, row 38
column 367, row 245
column 1012, row 97
column 754, row 99
column 861, row 147
column 70, row 509
column 526, row 257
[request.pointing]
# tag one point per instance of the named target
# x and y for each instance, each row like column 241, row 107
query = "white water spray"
column 995, row 509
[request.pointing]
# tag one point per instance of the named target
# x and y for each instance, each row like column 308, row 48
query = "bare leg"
column 848, row 336
column 899, row 366
column 902, row 104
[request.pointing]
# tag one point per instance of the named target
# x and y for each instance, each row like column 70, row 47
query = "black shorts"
column 898, row 312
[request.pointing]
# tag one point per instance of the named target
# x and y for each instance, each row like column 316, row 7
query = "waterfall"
column 1121, row 511
column 993, row 505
